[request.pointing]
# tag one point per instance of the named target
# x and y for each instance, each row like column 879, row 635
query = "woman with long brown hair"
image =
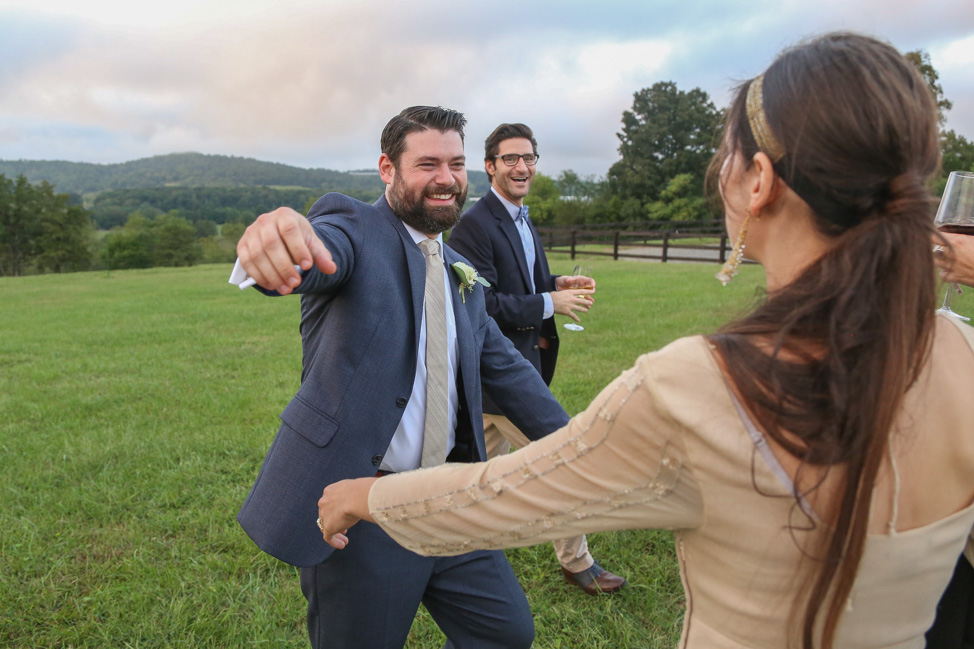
column 815, row 458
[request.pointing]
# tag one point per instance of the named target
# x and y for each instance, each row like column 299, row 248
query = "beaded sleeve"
column 620, row 464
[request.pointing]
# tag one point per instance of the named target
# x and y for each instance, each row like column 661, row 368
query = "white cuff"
column 240, row 278
column 549, row 306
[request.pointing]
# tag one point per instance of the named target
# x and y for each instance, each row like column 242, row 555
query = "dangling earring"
column 729, row 268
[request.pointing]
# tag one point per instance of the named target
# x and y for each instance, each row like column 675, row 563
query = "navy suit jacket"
column 487, row 236
column 360, row 335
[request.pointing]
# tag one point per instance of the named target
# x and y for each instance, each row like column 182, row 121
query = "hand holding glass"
column 580, row 279
column 956, row 215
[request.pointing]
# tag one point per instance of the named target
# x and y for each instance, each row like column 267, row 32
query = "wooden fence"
column 649, row 241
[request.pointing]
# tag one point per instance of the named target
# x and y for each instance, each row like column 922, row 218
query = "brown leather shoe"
column 595, row 580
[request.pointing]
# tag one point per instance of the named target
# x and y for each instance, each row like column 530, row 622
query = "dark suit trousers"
column 366, row 596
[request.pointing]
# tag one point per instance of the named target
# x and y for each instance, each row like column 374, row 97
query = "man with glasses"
column 497, row 236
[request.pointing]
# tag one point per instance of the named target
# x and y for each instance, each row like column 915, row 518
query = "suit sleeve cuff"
column 549, row 306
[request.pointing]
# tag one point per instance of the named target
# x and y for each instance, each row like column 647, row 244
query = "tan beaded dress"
column 686, row 457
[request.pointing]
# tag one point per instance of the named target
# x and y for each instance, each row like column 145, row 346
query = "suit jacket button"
column 536, row 347
column 376, row 460
column 401, row 402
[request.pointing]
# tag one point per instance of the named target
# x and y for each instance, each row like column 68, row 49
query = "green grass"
column 136, row 407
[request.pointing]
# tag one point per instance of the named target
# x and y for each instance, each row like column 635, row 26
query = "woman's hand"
column 342, row 505
column 957, row 266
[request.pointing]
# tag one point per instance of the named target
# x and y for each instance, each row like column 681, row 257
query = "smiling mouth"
column 441, row 197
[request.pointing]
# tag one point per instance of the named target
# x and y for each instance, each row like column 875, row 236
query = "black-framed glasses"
column 510, row 159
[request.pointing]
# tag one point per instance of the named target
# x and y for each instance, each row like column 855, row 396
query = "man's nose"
column 444, row 176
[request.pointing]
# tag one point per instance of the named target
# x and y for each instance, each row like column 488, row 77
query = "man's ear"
column 489, row 168
column 387, row 169
column 763, row 187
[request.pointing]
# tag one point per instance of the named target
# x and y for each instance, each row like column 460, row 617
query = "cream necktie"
column 437, row 368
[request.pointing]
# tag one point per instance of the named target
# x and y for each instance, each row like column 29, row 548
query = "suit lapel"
column 464, row 328
column 415, row 262
column 506, row 224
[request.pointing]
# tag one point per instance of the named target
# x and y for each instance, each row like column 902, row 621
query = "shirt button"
column 401, row 402
column 376, row 460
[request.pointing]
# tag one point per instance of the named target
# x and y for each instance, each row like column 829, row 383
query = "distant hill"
column 199, row 170
column 180, row 170
column 217, row 188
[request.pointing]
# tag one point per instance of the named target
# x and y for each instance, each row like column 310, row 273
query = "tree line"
column 196, row 206
column 218, row 205
column 41, row 230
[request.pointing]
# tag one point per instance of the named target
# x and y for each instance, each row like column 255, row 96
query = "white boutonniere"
column 468, row 275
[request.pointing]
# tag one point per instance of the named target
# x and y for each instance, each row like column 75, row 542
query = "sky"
column 311, row 83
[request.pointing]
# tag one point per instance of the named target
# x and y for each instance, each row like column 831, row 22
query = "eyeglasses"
column 530, row 159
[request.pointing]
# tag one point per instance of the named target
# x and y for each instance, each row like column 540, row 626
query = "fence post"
column 666, row 246
column 723, row 248
column 573, row 243
column 615, row 247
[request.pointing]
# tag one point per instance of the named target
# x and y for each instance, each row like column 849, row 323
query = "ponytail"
column 825, row 362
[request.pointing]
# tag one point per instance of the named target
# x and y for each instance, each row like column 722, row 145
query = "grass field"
column 136, row 407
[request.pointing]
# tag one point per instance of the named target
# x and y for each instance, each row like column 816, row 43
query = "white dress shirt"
column 405, row 451
column 527, row 243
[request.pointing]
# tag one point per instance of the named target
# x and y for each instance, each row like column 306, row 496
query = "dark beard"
column 412, row 211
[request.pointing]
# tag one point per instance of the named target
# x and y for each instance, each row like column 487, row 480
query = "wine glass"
column 587, row 272
column 956, row 216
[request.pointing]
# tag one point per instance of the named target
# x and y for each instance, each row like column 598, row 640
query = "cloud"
column 954, row 61
column 959, row 53
column 312, row 83
column 275, row 86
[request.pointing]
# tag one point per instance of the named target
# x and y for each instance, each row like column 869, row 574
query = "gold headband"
column 766, row 140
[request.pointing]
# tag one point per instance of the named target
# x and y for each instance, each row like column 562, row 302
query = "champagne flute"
column 574, row 326
column 956, row 216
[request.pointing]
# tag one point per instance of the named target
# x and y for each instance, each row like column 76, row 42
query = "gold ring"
column 320, row 526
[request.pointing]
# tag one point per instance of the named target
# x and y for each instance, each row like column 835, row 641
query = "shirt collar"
column 419, row 236
column 512, row 209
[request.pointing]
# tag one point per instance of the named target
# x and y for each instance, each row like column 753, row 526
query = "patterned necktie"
column 522, row 214
column 437, row 368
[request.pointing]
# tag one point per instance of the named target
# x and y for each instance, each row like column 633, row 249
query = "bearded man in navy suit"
column 364, row 406
column 497, row 235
